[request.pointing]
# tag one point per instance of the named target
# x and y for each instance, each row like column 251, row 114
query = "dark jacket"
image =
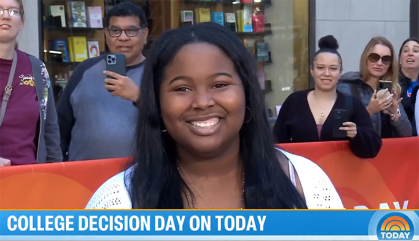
column 408, row 102
column 48, row 148
column 295, row 123
column 351, row 83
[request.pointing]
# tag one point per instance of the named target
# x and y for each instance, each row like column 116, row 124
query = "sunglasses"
column 374, row 58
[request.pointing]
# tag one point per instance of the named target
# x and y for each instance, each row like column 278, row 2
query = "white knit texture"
column 318, row 190
column 111, row 195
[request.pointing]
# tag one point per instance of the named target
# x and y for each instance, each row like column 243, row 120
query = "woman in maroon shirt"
column 28, row 130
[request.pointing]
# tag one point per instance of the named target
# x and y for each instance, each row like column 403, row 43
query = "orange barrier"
column 391, row 180
column 65, row 185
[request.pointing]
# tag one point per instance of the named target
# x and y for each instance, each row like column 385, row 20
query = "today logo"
column 395, row 226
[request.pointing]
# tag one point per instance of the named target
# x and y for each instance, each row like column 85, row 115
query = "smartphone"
column 116, row 63
column 385, row 84
column 340, row 116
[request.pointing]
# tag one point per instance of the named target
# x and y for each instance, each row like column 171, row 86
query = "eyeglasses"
column 12, row 11
column 374, row 58
column 130, row 32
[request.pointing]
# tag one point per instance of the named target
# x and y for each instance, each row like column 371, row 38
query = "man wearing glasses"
column 96, row 114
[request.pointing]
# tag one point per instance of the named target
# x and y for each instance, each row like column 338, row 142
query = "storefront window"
column 281, row 44
column 274, row 31
column 289, row 51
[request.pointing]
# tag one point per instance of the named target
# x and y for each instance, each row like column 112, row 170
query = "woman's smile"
column 206, row 127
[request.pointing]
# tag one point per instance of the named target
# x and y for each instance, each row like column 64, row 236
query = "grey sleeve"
column 65, row 114
column 344, row 88
column 52, row 134
column 402, row 128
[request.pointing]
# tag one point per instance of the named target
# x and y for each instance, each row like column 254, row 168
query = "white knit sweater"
column 318, row 190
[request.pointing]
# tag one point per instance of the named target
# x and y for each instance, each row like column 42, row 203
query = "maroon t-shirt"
column 18, row 133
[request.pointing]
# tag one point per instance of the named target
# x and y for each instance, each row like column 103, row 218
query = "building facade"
column 292, row 29
column 355, row 22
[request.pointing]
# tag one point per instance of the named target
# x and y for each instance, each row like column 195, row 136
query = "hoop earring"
column 251, row 115
column 162, row 130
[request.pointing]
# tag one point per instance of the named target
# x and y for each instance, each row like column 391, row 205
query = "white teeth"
column 207, row 123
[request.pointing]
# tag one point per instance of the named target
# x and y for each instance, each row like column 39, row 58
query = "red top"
column 18, row 132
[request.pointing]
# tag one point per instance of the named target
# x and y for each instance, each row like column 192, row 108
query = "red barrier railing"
column 391, row 180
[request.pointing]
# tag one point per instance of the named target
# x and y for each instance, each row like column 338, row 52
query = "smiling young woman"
column 203, row 139
column 310, row 115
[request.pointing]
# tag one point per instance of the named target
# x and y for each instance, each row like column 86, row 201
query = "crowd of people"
column 192, row 117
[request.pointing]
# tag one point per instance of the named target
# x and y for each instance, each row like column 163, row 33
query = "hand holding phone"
column 378, row 102
column 122, row 86
column 115, row 63
column 340, row 117
column 383, row 94
column 386, row 84
column 349, row 128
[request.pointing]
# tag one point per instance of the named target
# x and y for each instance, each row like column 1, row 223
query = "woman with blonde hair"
column 28, row 120
column 376, row 85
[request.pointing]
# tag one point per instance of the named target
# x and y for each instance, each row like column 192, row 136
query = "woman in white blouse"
column 203, row 138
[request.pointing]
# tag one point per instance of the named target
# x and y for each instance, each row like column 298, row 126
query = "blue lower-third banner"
column 209, row 225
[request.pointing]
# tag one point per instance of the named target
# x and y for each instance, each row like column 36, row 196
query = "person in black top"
column 409, row 77
column 306, row 116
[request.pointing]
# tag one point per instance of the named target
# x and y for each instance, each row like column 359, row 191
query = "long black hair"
column 155, row 180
